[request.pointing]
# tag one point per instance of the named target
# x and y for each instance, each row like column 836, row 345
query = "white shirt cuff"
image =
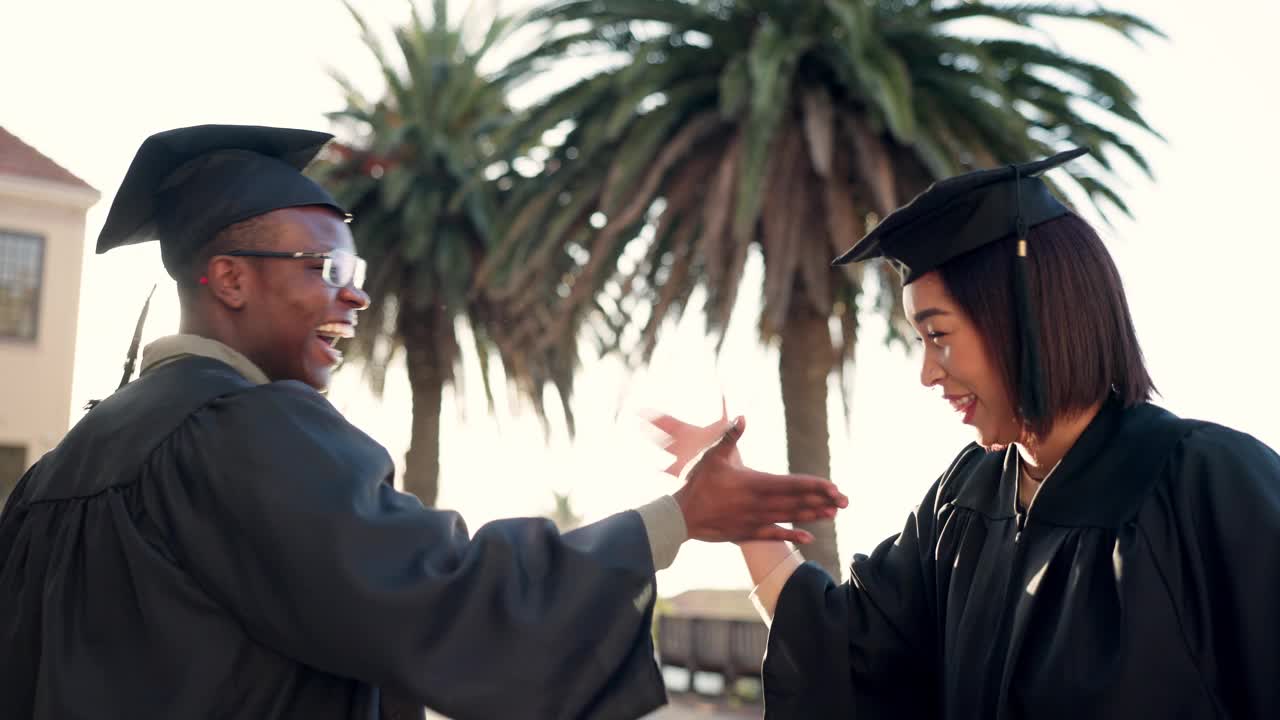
column 765, row 595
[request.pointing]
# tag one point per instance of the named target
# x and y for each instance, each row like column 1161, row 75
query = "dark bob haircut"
column 1088, row 348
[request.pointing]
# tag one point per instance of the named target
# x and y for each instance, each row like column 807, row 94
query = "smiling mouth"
column 965, row 405
column 331, row 333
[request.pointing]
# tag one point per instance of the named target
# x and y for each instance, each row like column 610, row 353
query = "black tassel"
column 1031, row 401
column 132, row 357
column 1031, row 393
column 137, row 340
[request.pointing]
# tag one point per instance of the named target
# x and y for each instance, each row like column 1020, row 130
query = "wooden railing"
column 731, row 648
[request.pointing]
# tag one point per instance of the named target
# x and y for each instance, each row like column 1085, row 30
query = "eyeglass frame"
column 303, row 255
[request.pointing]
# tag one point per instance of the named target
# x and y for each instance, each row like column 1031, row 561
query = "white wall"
column 35, row 375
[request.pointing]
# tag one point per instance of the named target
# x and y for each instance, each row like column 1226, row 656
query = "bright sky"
column 86, row 82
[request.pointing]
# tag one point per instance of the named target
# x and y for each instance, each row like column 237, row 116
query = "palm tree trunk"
column 422, row 461
column 426, row 381
column 805, row 360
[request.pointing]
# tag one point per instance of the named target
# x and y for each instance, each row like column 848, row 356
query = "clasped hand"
column 723, row 500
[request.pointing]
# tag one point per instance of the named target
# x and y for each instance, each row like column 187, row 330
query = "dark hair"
column 256, row 233
column 1088, row 347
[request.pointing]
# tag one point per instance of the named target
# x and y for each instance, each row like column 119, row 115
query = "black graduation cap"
column 961, row 214
column 185, row 185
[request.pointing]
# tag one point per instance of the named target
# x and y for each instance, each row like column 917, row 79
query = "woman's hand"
column 686, row 441
column 770, row 561
column 722, row 499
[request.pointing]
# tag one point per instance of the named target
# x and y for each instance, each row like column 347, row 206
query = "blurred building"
column 42, row 228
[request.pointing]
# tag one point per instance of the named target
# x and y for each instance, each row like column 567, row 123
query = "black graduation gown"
column 199, row 547
column 1143, row 582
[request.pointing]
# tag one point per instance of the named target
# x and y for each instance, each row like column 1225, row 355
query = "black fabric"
column 1143, row 583
column 961, row 214
column 185, row 185
column 199, row 547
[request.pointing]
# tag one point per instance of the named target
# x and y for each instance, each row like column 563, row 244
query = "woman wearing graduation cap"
column 1090, row 555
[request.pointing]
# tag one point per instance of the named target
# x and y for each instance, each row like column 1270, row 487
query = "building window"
column 13, row 462
column 21, row 267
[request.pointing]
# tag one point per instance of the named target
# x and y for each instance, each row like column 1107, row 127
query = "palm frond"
column 823, row 113
column 427, row 221
column 1024, row 14
column 769, row 65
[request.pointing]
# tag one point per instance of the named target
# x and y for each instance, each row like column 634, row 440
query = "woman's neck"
column 1041, row 454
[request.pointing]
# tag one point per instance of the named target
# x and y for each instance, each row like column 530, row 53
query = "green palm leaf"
column 824, row 112
column 427, row 219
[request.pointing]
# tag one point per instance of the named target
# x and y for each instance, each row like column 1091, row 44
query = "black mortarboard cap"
column 185, row 185
column 961, row 214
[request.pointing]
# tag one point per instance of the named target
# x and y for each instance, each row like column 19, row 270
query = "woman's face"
column 955, row 358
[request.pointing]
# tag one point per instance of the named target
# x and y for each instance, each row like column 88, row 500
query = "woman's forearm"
column 770, row 563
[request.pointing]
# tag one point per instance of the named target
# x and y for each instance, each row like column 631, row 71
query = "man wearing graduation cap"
column 216, row 540
column 1090, row 555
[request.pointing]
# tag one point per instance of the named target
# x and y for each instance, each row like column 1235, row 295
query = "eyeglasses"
column 341, row 268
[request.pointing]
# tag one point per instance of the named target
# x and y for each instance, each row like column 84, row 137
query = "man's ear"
column 228, row 281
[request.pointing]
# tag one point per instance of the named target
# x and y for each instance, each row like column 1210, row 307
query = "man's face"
column 293, row 318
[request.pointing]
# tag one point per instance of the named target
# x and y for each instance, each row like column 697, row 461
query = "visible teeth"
column 336, row 330
column 960, row 404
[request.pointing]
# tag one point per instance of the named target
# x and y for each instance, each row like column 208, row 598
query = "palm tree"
column 786, row 127
column 411, row 169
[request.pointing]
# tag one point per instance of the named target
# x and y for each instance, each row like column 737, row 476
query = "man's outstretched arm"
column 281, row 514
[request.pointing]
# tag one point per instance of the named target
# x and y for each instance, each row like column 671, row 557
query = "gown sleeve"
column 283, row 513
column 863, row 649
column 1223, row 509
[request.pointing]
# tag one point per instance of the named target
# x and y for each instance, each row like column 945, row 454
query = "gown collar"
column 1101, row 481
column 170, row 348
column 1107, row 473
